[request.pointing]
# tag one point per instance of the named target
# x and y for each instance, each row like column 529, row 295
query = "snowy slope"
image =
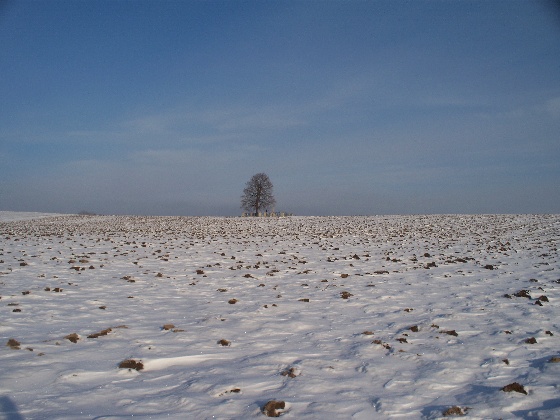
column 424, row 326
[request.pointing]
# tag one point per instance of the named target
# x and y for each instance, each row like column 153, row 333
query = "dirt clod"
column 290, row 372
column 514, row 387
column 100, row 333
column 131, row 364
column 13, row 344
column 271, row 407
column 72, row 337
column 523, row 293
column 453, row 411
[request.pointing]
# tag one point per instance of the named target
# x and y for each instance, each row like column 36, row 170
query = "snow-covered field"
column 337, row 317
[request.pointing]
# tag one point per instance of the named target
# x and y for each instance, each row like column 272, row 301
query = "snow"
column 11, row 216
column 426, row 325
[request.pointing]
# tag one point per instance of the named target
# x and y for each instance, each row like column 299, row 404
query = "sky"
column 350, row 107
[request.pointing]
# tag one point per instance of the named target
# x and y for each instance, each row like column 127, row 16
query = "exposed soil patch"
column 451, row 332
column 232, row 301
column 100, row 333
column 72, row 337
column 271, row 408
column 168, row 327
column 13, row 344
column 453, row 411
column 290, row 372
column 514, row 387
column 345, row 295
column 131, row 364
column 224, row 342
column 523, row 293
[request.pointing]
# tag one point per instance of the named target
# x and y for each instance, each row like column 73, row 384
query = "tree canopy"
column 257, row 194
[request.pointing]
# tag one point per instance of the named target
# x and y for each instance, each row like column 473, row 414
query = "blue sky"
column 350, row 107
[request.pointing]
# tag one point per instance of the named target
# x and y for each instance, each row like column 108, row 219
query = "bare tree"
column 257, row 194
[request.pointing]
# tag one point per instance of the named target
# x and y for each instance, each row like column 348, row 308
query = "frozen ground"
column 339, row 317
column 12, row 216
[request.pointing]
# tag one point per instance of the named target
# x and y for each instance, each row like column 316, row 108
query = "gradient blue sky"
column 351, row 107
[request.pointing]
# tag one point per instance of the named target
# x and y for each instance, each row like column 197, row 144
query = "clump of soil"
column 345, row 295
column 303, row 300
column 453, row 411
column 555, row 359
column 514, row 387
column 451, row 332
column 344, row 276
column 13, row 344
column 100, row 333
column 168, row 327
column 72, row 337
column 367, row 333
column 199, row 271
column 224, row 342
column 232, row 301
column 489, row 267
column 131, row 364
column 531, row 340
column 523, row 293
column 381, row 272
column 271, row 407
column 414, row 328
column 291, row 372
